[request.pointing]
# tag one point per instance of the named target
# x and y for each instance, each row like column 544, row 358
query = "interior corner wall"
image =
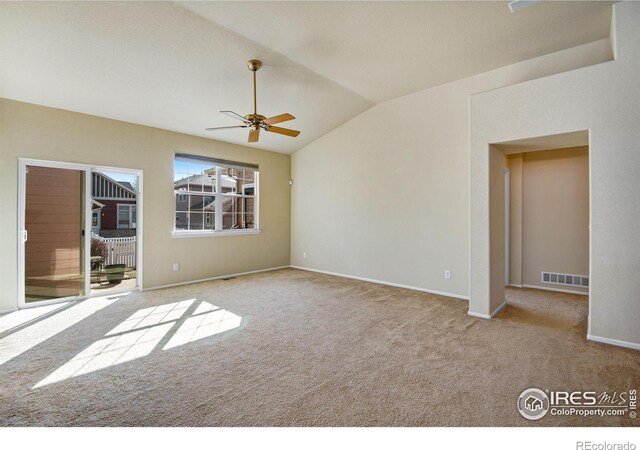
column 386, row 195
column 605, row 100
column 37, row 132
column 515, row 219
column 497, row 243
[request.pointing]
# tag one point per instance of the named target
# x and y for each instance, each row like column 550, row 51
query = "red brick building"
column 114, row 212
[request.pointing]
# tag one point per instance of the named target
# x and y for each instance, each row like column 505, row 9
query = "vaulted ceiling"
column 174, row 65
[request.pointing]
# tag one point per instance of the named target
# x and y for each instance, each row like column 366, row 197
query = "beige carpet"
column 293, row 348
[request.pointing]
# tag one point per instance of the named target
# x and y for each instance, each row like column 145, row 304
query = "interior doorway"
column 539, row 220
column 488, row 253
column 63, row 209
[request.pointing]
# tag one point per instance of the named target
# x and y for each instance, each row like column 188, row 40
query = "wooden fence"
column 119, row 250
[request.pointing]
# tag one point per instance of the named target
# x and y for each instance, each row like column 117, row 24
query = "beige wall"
column 386, row 195
column 497, row 164
column 37, row 132
column 515, row 219
column 553, row 230
column 605, row 100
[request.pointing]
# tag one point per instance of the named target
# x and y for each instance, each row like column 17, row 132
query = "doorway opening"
column 114, row 230
column 540, row 189
column 79, row 232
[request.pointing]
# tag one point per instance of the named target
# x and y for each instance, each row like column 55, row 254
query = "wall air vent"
column 565, row 279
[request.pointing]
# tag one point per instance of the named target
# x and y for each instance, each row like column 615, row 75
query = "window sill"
column 192, row 234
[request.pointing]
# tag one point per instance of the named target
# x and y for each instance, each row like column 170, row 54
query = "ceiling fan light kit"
column 257, row 121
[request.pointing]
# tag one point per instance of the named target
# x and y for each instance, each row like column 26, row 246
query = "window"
column 95, row 221
column 213, row 195
column 126, row 216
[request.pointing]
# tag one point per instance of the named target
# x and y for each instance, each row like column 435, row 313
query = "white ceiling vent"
column 565, row 279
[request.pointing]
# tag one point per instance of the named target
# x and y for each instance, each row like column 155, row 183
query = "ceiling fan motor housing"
column 255, row 118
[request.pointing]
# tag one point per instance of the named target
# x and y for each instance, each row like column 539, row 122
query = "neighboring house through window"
column 113, row 205
column 214, row 195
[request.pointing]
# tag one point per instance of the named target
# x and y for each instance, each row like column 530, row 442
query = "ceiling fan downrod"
column 254, row 65
column 255, row 118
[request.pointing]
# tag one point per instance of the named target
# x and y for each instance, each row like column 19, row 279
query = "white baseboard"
column 8, row 310
column 516, row 285
column 479, row 315
column 488, row 316
column 499, row 309
column 202, row 280
column 564, row 291
column 617, row 342
column 386, row 283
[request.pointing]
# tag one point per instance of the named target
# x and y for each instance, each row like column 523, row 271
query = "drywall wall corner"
column 612, row 35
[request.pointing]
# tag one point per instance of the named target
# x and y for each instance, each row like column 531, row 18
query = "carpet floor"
column 294, row 348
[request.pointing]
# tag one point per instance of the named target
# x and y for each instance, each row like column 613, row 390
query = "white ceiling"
column 174, row 66
column 382, row 50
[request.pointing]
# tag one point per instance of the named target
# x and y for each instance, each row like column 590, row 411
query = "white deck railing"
column 119, row 250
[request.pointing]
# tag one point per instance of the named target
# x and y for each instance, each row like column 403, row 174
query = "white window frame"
column 218, row 199
column 97, row 213
column 130, row 207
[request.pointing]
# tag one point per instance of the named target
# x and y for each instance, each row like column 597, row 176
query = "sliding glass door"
column 115, row 231
column 78, row 231
column 53, row 233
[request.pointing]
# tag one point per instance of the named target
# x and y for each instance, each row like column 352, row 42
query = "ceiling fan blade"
column 285, row 131
column 254, row 135
column 235, row 116
column 277, row 119
column 224, row 128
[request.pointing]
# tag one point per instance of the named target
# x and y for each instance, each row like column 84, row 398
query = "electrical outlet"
column 304, row 255
column 176, row 267
column 447, row 274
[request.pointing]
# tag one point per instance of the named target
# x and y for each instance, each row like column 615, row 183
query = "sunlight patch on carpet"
column 24, row 329
column 23, row 317
column 208, row 320
column 172, row 324
column 152, row 316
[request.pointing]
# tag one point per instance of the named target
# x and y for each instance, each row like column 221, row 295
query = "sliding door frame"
column 87, row 169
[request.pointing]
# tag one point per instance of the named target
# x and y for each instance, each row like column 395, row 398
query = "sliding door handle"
column 25, row 235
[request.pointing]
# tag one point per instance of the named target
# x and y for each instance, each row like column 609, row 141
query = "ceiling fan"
column 256, row 121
